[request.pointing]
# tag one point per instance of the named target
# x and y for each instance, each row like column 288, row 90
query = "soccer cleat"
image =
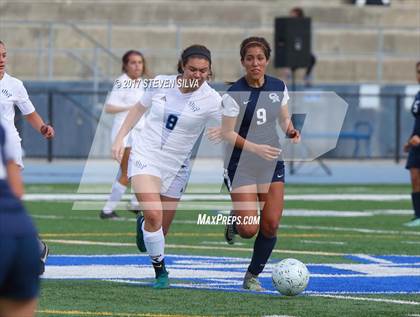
column 139, row 234
column 230, row 231
column 112, row 215
column 252, row 283
column 162, row 281
column 43, row 258
column 413, row 223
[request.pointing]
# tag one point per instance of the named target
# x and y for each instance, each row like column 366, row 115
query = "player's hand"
column 414, row 140
column 47, row 131
column 267, row 152
column 118, row 150
column 214, row 135
column 294, row 134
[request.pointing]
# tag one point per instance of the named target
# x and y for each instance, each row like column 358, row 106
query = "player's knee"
column 269, row 230
column 247, row 232
column 152, row 224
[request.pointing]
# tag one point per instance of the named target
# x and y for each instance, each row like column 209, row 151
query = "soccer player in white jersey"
column 128, row 89
column 13, row 93
column 179, row 108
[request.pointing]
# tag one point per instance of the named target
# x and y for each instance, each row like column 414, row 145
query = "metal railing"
column 75, row 114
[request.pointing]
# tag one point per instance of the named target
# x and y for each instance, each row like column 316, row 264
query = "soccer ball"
column 290, row 277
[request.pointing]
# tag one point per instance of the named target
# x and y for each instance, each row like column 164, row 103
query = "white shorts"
column 16, row 153
column 173, row 184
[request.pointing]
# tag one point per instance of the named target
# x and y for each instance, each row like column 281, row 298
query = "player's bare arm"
column 132, row 118
column 114, row 109
column 38, row 124
column 265, row 151
column 286, row 125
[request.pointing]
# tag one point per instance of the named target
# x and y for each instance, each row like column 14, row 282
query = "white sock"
column 117, row 192
column 155, row 244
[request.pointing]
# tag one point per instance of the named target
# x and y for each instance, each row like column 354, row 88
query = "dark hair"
column 2, row 43
column 417, row 64
column 255, row 41
column 126, row 58
column 195, row 50
column 298, row 12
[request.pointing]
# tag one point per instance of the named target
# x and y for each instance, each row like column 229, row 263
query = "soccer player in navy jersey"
column 413, row 162
column 19, row 250
column 254, row 172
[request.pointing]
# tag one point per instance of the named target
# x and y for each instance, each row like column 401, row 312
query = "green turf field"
column 311, row 239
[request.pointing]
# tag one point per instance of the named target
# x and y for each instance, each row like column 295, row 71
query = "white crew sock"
column 117, row 192
column 155, row 244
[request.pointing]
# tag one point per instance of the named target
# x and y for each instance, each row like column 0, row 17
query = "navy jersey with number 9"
column 257, row 111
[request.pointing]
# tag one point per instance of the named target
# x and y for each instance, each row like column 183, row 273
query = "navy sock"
column 415, row 198
column 263, row 247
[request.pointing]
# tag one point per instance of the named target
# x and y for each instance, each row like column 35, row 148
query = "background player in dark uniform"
column 254, row 174
column 19, row 250
column 413, row 162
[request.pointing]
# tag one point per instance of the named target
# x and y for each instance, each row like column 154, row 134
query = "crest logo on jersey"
column 274, row 97
column 193, row 106
column 6, row 93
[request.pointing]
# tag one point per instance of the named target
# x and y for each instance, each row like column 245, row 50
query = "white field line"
column 382, row 300
column 372, row 258
column 344, row 229
column 219, row 243
column 411, row 242
column 322, row 242
column 221, row 197
column 190, row 247
column 286, row 212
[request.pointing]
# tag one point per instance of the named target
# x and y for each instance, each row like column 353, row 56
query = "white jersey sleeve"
column 152, row 87
column 230, row 107
column 116, row 97
column 22, row 99
column 285, row 96
column 216, row 112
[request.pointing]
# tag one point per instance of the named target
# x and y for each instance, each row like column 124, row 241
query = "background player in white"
column 128, row 89
column 13, row 93
column 159, row 158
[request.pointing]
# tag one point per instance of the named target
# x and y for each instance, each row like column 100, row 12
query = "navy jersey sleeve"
column 415, row 110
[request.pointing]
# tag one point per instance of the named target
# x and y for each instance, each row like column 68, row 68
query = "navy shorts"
column 19, row 267
column 238, row 176
column 413, row 160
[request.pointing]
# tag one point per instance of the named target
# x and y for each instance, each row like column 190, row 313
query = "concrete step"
column 211, row 13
